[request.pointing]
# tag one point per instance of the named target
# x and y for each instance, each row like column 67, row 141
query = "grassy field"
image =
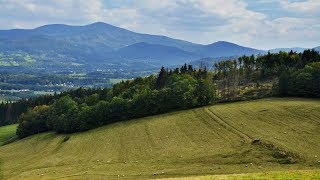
column 306, row 174
column 7, row 133
column 269, row 137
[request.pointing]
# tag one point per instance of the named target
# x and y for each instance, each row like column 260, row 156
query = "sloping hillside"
column 7, row 133
column 226, row 49
column 164, row 55
column 96, row 34
column 257, row 136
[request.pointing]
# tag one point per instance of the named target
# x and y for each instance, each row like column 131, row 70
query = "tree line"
column 76, row 111
column 290, row 73
column 10, row 111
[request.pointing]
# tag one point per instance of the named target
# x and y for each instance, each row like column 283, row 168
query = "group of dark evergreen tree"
column 78, row 111
column 291, row 74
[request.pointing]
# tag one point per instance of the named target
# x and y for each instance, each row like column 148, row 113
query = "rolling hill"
column 7, row 133
column 165, row 55
column 244, row 137
column 294, row 49
column 92, row 35
column 226, row 49
column 97, row 44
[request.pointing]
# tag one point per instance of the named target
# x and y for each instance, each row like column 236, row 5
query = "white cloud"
column 32, row 13
column 156, row 4
column 309, row 6
column 202, row 21
column 226, row 9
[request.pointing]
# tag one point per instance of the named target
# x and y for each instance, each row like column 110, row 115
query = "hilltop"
column 244, row 137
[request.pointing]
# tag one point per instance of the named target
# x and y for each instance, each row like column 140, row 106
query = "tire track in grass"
column 149, row 136
column 245, row 137
column 316, row 119
column 280, row 153
column 290, row 123
column 211, row 127
column 311, row 114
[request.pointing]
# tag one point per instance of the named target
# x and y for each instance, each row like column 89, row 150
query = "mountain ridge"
column 102, row 43
column 143, row 50
column 294, row 49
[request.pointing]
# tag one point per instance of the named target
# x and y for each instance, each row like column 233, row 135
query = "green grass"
column 307, row 174
column 213, row 140
column 7, row 133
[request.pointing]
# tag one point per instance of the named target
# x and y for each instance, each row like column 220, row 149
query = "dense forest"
column 247, row 77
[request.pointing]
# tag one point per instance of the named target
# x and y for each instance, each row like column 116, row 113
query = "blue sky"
column 261, row 24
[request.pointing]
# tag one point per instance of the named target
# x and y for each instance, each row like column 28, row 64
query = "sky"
column 262, row 24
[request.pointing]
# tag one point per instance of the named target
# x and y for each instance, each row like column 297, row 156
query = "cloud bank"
column 261, row 23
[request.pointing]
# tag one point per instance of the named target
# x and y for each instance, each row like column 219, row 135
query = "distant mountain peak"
column 97, row 23
column 223, row 43
column 52, row 26
column 226, row 49
column 100, row 24
column 63, row 26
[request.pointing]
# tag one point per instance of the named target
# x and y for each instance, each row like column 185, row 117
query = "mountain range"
column 100, row 44
column 294, row 49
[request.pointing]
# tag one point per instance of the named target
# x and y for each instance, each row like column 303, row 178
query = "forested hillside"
column 273, row 74
column 248, row 77
column 171, row 90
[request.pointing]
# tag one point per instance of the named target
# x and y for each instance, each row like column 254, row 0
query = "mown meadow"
column 275, row 137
